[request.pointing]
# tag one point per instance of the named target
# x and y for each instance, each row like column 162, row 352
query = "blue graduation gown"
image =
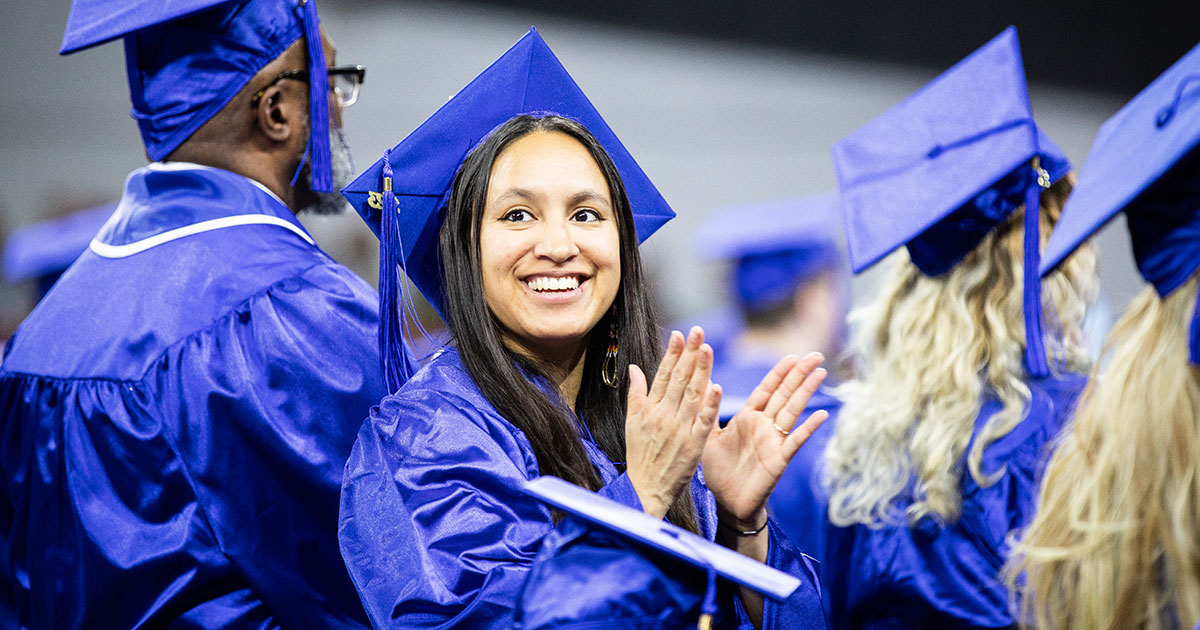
column 799, row 503
column 176, row 413
column 435, row 530
column 931, row 576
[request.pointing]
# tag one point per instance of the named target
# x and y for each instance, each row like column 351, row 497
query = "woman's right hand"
column 666, row 428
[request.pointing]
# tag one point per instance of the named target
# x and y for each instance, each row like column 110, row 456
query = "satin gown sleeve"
column 204, row 493
column 434, row 528
column 267, row 401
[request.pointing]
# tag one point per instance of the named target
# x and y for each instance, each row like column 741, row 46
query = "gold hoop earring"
column 608, row 369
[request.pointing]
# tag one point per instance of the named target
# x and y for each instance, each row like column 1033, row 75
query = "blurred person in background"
column 1115, row 542
column 33, row 257
column 958, row 392
column 176, row 413
column 791, row 287
column 42, row 252
column 789, row 281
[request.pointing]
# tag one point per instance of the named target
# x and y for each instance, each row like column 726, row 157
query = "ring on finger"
column 780, row 429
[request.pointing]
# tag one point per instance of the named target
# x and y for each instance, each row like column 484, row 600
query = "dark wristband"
column 739, row 532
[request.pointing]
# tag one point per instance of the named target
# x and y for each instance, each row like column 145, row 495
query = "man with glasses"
column 176, row 413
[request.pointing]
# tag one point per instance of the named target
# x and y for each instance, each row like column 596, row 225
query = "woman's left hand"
column 743, row 462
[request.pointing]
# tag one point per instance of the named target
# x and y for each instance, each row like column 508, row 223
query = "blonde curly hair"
column 930, row 350
column 1116, row 539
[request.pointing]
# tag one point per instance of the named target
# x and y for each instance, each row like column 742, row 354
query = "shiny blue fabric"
column 586, row 578
column 174, row 423
column 435, row 528
column 940, row 247
column 183, row 72
column 933, row 576
column 186, row 59
column 799, row 502
column 947, row 143
column 1164, row 225
column 936, row 250
column 643, row 588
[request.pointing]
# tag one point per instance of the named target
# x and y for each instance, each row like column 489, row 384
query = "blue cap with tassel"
column 401, row 197
column 186, row 59
column 947, row 165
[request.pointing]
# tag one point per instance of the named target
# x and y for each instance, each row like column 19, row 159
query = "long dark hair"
column 506, row 378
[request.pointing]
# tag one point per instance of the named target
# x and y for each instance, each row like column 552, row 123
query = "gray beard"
column 331, row 203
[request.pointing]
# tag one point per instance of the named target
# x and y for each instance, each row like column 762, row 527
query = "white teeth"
column 546, row 283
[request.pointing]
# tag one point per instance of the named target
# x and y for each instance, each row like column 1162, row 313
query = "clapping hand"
column 667, row 427
column 743, row 461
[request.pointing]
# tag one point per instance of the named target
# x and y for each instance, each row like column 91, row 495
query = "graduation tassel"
column 397, row 359
column 1035, row 348
column 317, row 150
column 709, row 608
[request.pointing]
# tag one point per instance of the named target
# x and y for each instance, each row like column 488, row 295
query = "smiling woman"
column 539, row 277
column 533, row 205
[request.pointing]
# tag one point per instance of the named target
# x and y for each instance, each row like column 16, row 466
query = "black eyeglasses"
column 347, row 81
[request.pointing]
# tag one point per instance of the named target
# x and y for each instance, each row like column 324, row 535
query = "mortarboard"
column 413, row 179
column 938, row 171
column 49, row 247
column 1145, row 161
column 186, row 59
column 775, row 245
column 649, row 536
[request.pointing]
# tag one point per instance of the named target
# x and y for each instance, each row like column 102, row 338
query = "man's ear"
column 277, row 113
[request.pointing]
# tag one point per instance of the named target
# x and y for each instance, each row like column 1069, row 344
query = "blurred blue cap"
column 721, row 325
column 1145, row 161
column 776, row 246
column 527, row 79
column 186, row 59
column 49, row 247
column 941, row 169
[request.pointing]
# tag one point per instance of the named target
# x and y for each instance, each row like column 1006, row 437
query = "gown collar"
column 164, row 202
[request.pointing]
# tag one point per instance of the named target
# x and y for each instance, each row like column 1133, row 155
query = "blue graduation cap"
column 1145, row 161
column 648, row 533
column 776, row 245
column 49, row 247
column 186, row 59
column 411, row 184
column 941, row 169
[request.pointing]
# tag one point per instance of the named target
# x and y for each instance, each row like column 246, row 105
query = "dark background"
column 1115, row 47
